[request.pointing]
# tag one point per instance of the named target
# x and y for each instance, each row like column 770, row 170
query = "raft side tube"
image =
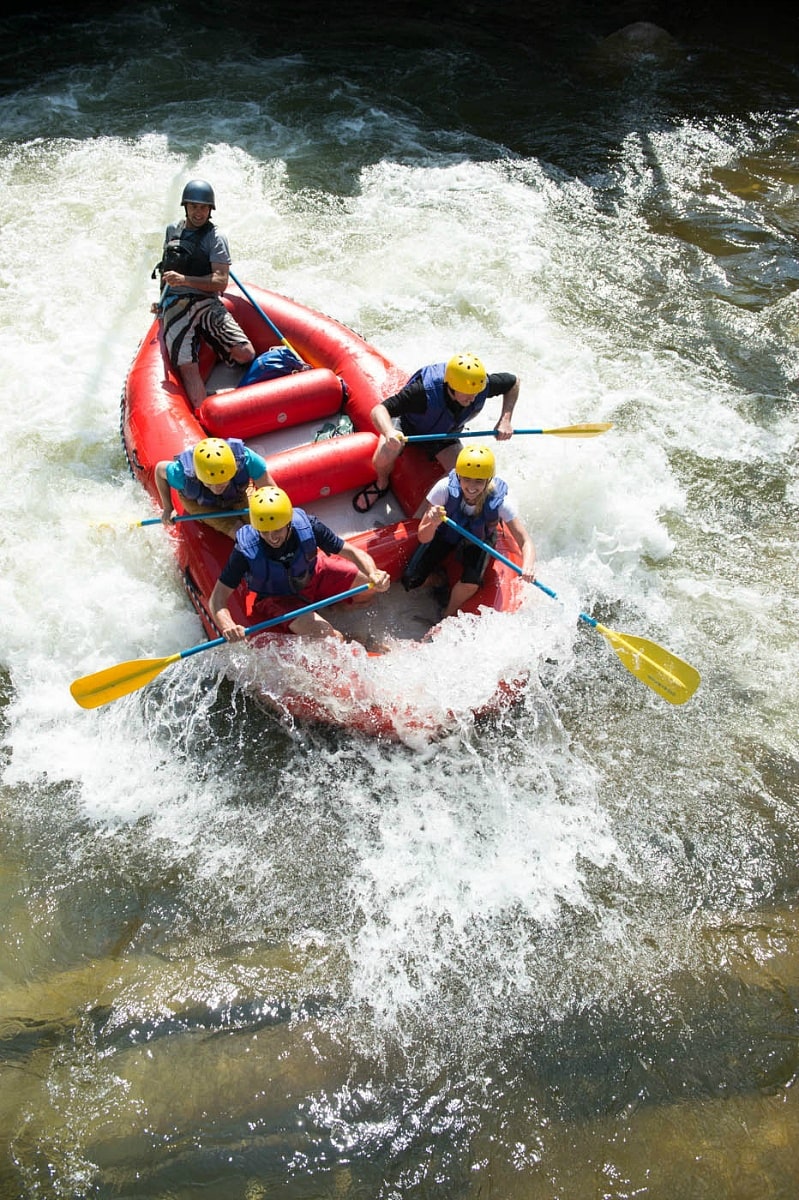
column 318, row 470
column 272, row 404
column 153, row 390
column 391, row 547
column 321, row 341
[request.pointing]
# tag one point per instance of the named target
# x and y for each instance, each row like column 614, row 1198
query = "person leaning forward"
column 475, row 498
column 440, row 398
column 290, row 559
column 218, row 474
column 195, row 266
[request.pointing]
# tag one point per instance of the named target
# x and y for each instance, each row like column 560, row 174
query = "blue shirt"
column 176, row 476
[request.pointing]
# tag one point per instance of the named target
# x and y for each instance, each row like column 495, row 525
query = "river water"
column 551, row 955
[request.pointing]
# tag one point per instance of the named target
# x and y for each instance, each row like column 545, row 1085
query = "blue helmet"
column 198, row 191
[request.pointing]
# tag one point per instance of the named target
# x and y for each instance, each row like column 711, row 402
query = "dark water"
column 556, row 954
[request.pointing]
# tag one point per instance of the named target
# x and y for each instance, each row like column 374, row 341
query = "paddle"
column 588, row 430
column 669, row 676
column 212, row 512
column 92, row 691
column 261, row 312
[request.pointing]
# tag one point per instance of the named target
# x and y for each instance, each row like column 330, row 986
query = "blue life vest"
column 197, row 491
column 267, row 577
column 483, row 524
column 438, row 417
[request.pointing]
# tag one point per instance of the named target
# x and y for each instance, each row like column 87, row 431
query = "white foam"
column 472, row 837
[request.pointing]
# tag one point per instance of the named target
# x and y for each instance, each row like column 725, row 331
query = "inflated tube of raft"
column 322, row 469
column 272, row 404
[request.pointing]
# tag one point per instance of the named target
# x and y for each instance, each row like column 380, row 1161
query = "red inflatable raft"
column 280, row 419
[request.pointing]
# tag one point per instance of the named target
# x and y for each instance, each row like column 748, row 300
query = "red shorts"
column 332, row 575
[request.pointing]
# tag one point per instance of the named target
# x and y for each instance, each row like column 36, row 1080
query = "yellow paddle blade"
column 588, row 430
column 92, row 691
column 669, row 676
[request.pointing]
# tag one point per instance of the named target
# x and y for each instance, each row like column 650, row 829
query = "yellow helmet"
column 270, row 508
column 475, row 462
column 214, row 461
column 465, row 373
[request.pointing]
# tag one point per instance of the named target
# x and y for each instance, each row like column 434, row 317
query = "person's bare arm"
column 380, row 580
column 214, row 284
column 218, row 604
column 164, row 492
column 504, row 426
column 527, row 547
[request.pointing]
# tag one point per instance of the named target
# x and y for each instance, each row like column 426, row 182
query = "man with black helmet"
column 194, row 273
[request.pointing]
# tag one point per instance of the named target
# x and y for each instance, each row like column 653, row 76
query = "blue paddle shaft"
column 261, row 312
column 513, row 566
column 281, row 620
column 490, row 549
column 212, row 512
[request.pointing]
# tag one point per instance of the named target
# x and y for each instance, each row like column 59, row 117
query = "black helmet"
column 197, row 191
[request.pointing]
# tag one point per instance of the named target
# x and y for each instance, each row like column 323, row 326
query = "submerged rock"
column 637, row 43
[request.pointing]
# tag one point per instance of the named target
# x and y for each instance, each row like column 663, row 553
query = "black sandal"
column 368, row 497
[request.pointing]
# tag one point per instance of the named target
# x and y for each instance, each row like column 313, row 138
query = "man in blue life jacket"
column 216, row 474
column 475, row 498
column 440, row 398
column 290, row 559
column 195, row 266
